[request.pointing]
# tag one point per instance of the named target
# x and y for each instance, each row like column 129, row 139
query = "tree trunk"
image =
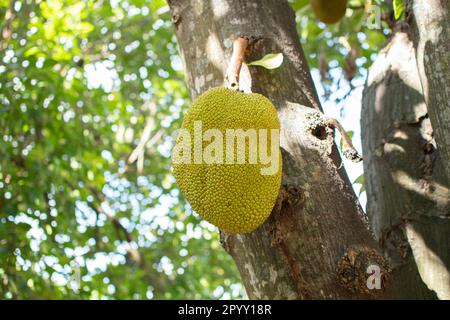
column 430, row 22
column 407, row 191
column 316, row 244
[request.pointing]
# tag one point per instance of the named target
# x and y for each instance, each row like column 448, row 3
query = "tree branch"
column 236, row 60
column 349, row 150
column 138, row 152
column 7, row 28
column 134, row 253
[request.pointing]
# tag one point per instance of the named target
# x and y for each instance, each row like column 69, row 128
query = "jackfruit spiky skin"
column 329, row 11
column 237, row 198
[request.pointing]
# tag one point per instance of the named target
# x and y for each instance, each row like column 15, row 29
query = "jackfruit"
column 235, row 195
column 329, row 11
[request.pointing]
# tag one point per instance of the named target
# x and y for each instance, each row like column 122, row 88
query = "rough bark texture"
column 316, row 243
column 407, row 190
column 430, row 22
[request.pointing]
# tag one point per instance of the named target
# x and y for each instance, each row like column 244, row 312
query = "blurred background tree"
column 91, row 93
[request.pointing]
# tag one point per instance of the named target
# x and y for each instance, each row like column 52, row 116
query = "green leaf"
column 86, row 27
column 299, row 4
column 363, row 189
column 31, row 51
column 399, row 8
column 359, row 180
column 269, row 61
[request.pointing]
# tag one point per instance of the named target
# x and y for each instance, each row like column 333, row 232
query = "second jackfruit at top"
column 329, row 11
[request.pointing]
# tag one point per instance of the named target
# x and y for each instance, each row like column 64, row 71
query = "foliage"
column 91, row 93
column 79, row 84
column 399, row 8
column 344, row 51
column 269, row 61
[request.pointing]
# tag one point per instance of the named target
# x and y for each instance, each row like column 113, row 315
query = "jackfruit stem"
column 236, row 60
column 349, row 150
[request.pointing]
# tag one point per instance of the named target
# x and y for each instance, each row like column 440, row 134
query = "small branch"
column 97, row 207
column 146, row 140
column 6, row 32
column 356, row 7
column 151, row 142
column 133, row 252
column 349, row 150
column 236, row 60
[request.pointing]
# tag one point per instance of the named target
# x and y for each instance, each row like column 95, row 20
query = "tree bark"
column 430, row 22
column 407, row 190
column 316, row 244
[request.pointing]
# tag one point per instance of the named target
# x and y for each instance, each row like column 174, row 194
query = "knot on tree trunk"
column 322, row 128
column 363, row 270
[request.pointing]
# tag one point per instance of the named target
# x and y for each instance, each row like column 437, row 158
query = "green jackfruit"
column 231, row 191
column 329, row 11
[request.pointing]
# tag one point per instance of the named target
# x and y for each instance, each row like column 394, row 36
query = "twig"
column 154, row 138
column 356, row 7
column 146, row 140
column 348, row 149
column 236, row 60
column 133, row 252
column 97, row 207
column 6, row 32
column 150, row 143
